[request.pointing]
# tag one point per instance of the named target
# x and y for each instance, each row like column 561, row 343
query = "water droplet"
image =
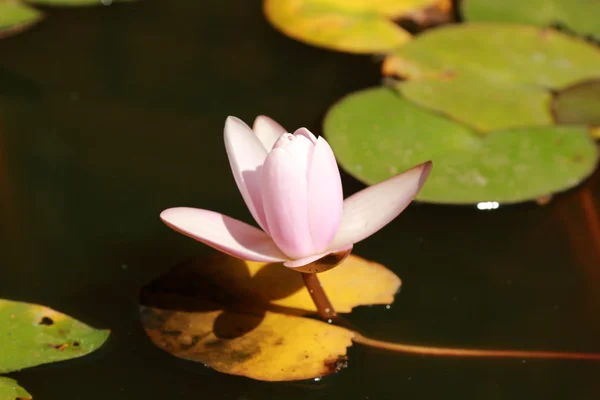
column 388, row 307
column 329, row 321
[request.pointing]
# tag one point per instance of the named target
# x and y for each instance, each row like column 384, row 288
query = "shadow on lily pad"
column 247, row 318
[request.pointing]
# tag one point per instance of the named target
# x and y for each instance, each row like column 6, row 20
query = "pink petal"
column 267, row 130
column 307, row 134
column 246, row 156
column 325, row 196
column 371, row 209
column 284, row 197
column 223, row 233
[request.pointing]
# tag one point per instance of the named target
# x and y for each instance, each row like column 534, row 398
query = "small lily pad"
column 31, row 335
column 376, row 133
column 576, row 15
column 492, row 76
column 16, row 17
column 361, row 26
column 246, row 318
column 578, row 104
column 76, row 3
column 11, row 390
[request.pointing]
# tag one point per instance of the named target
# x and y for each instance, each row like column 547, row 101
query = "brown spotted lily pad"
column 249, row 318
column 32, row 334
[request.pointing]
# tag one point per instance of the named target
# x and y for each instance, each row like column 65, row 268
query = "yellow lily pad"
column 354, row 26
column 246, row 318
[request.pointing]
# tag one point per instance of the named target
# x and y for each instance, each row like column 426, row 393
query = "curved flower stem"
column 319, row 297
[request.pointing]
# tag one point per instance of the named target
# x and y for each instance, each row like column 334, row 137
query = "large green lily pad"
column 358, row 26
column 492, row 76
column 16, row 17
column 376, row 133
column 578, row 104
column 31, row 335
column 11, row 390
column 580, row 16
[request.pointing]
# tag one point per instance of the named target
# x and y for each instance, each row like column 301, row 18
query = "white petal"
column 371, row 209
column 246, row 156
column 223, row 233
column 267, row 131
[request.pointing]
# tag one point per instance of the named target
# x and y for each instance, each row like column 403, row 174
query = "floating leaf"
column 245, row 318
column 16, row 17
column 579, row 16
column 10, row 390
column 355, row 26
column 578, row 104
column 492, row 76
column 376, row 133
column 31, row 335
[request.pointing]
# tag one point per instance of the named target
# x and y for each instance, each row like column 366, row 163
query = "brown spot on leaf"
column 61, row 347
column 46, row 321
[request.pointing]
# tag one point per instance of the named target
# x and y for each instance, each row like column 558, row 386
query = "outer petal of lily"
column 307, row 260
column 223, row 233
column 371, row 209
column 267, row 130
column 284, row 197
column 246, row 156
column 325, row 196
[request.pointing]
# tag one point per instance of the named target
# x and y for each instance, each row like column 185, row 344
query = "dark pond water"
column 110, row 115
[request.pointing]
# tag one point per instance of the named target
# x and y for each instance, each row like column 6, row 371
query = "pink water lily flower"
column 291, row 184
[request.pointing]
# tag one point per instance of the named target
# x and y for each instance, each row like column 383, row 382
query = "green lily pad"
column 376, row 133
column 76, row 3
column 578, row 104
column 10, row 390
column 31, row 335
column 359, row 26
column 16, row 17
column 492, row 76
column 580, row 16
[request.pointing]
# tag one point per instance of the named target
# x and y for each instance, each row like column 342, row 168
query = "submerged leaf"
column 376, row 133
column 579, row 16
column 31, row 335
column 355, row 26
column 11, row 390
column 578, row 104
column 244, row 318
column 16, row 17
column 492, row 76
